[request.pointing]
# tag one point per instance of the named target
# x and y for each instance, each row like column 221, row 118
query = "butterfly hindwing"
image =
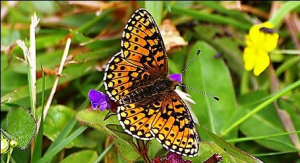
column 174, row 127
column 164, row 117
column 137, row 118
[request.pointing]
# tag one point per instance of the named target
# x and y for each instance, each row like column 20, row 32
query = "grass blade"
column 48, row 156
column 262, row 106
column 37, row 152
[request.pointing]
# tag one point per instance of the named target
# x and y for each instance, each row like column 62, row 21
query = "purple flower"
column 176, row 158
column 171, row 157
column 99, row 99
column 176, row 77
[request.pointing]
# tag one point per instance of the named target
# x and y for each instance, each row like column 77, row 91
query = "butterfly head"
column 176, row 78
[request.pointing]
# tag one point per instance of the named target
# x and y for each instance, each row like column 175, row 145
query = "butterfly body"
column 158, row 87
column 137, row 79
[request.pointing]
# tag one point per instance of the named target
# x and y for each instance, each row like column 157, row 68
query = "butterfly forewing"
column 142, row 44
column 121, row 77
column 142, row 58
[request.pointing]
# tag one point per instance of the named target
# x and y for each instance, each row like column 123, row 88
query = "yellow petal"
column 250, row 58
column 255, row 35
column 268, row 25
column 248, row 41
column 271, row 41
column 262, row 63
column 262, row 40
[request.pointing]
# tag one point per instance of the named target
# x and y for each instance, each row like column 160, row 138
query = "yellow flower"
column 260, row 41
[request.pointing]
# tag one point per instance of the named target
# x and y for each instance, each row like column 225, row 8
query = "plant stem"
column 143, row 150
column 63, row 60
column 9, row 154
column 100, row 158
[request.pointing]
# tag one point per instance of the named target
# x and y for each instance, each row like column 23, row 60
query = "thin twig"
column 63, row 60
column 62, row 63
column 287, row 51
column 32, row 52
column 291, row 26
column 143, row 150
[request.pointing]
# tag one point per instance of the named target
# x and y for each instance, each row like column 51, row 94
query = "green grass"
column 256, row 118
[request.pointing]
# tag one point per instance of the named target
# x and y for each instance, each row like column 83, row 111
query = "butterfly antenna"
column 198, row 52
column 214, row 97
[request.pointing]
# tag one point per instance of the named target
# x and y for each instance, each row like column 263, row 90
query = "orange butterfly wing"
column 142, row 58
column 174, row 127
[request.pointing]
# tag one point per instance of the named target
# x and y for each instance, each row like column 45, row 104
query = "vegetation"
column 53, row 53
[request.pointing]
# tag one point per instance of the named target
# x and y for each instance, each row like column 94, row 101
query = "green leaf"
column 287, row 64
column 46, row 7
column 212, row 18
column 206, row 150
column 211, row 75
column 67, row 130
column 95, row 44
column 9, row 36
column 118, row 130
column 105, row 152
column 51, row 153
column 289, row 107
column 9, row 86
column 266, row 123
column 21, row 125
column 38, row 147
column 95, row 119
column 228, row 46
column 278, row 16
column 230, row 149
column 261, row 106
column 217, row 6
column 56, row 120
column 19, row 155
column 155, row 148
column 89, row 24
column 86, row 156
column 155, row 9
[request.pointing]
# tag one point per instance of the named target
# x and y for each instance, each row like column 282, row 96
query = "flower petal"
column 176, row 77
column 94, row 95
column 103, row 106
column 94, row 105
column 262, row 40
column 271, row 41
column 99, row 99
column 262, row 63
column 250, row 58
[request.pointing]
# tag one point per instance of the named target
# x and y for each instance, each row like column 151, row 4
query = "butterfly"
column 137, row 79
